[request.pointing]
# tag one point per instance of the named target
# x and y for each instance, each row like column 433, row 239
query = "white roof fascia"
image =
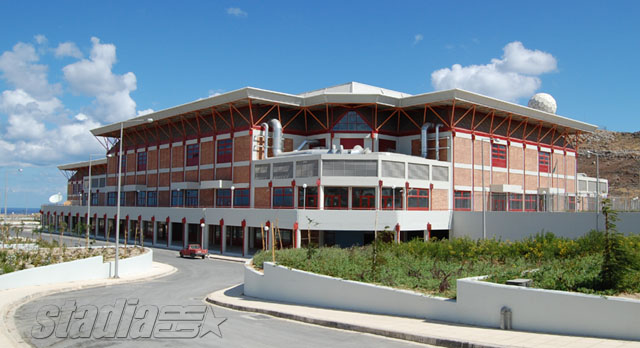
column 73, row 166
column 351, row 99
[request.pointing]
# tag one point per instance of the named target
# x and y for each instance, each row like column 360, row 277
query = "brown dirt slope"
column 619, row 160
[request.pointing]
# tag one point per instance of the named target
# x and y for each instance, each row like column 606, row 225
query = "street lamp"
column 149, row 120
column 6, row 178
column 202, row 234
column 89, row 200
column 304, row 196
column 589, row 153
column 232, row 189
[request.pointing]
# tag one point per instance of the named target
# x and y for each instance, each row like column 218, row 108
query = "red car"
column 193, row 250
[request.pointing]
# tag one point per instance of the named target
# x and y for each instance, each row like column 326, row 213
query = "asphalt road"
column 189, row 286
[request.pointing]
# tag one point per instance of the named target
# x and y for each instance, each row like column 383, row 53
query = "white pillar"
column 169, row 233
column 223, row 236
column 245, row 241
column 297, row 237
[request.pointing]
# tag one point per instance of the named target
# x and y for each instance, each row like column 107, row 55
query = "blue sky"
column 69, row 66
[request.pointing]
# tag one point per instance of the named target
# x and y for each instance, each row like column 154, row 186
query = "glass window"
column 124, row 163
column 261, row 171
column 123, row 198
column 542, row 202
column 94, row 198
column 223, row 198
column 418, row 199
column 141, row 199
column 462, row 200
column 177, row 198
column 152, row 198
column 111, row 198
column 241, row 198
column 191, row 198
column 142, row 161
column 572, row 203
column 498, row 155
column 543, row 161
column 353, row 122
column 388, row 197
column 193, row 155
column 311, row 194
column 531, row 202
column 515, row 202
column 283, row 170
column 306, row 169
column 225, row 149
column 283, row 197
column 336, row 198
column 498, row 201
column 363, row 198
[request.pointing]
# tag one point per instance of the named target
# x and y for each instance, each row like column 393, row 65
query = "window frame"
column 223, row 198
column 177, row 198
column 141, row 159
column 190, row 200
column 112, row 198
column 529, row 201
column 340, row 196
column 141, row 196
column 311, row 196
column 152, row 199
column 192, row 156
column 463, row 197
column 242, row 198
column 369, row 199
column 515, row 199
column 498, row 155
column 542, row 166
column 281, row 196
column 415, row 193
column 224, row 150
column 347, row 124
column 499, row 200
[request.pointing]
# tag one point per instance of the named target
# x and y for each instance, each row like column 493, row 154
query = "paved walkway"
column 11, row 299
column 417, row 330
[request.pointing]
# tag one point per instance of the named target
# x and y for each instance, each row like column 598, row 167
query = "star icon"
column 211, row 324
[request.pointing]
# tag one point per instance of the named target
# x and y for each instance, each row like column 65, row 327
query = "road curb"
column 432, row 340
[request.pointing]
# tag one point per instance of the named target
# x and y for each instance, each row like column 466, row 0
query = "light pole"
column 232, row 189
column 115, row 269
column 202, row 234
column 89, row 200
column 484, row 199
column 304, row 196
column 393, row 197
column 589, row 153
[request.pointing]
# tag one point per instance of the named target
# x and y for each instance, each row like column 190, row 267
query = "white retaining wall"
column 518, row 225
column 84, row 269
column 478, row 303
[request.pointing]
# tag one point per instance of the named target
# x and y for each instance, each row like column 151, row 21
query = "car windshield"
column 193, row 246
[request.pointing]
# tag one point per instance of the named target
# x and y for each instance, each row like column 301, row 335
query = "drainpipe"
column 265, row 126
column 438, row 141
column 277, row 137
column 423, row 139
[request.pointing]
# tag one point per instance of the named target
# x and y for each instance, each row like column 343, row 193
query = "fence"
column 536, row 202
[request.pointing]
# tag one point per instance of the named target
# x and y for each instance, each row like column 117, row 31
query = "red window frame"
column 416, row 195
column 223, row 198
column 461, row 198
column 352, row 122
column 241, row 198
column 498, row 202
column 282, row 195
column 193, row 155
column 498, row 155
column 365, row 202
column 385, row 145
column 530, row 202
column 311, row 195
column 544, row 159
column 330, row 198
column 225, row 151
column 515, row 199
column 386, row 200
column 571, row 203
column 142, row 161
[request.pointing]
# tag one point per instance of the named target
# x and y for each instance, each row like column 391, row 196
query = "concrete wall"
column 84, row 269
column 516, row 225
column 478, row 303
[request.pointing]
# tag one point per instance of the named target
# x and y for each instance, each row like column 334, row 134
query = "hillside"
column 619, row 160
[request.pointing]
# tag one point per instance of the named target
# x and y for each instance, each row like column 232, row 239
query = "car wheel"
column 181, row 255
column 203, row 257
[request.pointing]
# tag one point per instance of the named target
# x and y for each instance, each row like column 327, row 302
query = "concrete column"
column 169, row 233
column 70, row 224
column 205, row 236
column 245, row 241
column 223, row 237
column 155, row 232
column 185, row 235
column 298, row 244
column 320, row 197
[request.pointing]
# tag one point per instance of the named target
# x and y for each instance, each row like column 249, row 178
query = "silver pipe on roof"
column 265, row 125
column 310, row 142
column 438, row 141
column 277, row 137
column 423, row 139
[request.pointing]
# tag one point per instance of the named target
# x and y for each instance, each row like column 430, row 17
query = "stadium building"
column 337, row 163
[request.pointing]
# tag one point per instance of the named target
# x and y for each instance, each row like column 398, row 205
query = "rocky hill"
column 619, row 160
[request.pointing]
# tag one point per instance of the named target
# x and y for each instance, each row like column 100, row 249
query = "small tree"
column 61, row 228
column 617, row 261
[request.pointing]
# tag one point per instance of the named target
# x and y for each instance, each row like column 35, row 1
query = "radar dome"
column 543, row 102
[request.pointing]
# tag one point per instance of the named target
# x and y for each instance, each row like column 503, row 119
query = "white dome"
column 543, row 102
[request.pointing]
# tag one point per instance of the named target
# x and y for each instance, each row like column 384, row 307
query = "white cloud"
column 93, row 77
column 19, row 68
column 513, row 77
column 236, row 11
column 67, row 49
column 417, row 38
column 40, row 39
